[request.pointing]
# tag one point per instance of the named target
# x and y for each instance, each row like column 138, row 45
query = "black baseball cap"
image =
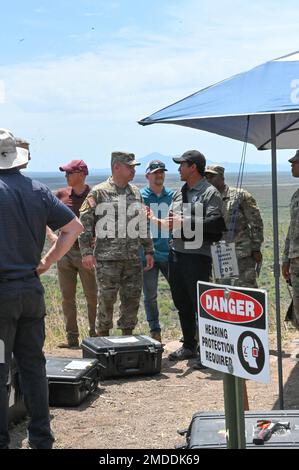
column 192, row 156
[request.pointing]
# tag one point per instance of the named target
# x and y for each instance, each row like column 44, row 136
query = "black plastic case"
column 71, row 380
column 122, row 356
column 207, row 430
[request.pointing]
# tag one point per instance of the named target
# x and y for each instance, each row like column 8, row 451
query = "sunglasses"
column 155, row 166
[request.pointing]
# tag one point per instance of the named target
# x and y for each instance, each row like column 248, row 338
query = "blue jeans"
column 22, row 332
column 150, row 292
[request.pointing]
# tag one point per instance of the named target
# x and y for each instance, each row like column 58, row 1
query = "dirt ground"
column 146, row 412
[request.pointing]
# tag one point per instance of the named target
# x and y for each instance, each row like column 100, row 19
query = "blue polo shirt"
column 160, row 207
column 27, row 207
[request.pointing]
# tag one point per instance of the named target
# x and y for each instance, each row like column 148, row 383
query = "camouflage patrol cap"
column 295, row 158
column 215, row 170
column 124, row 157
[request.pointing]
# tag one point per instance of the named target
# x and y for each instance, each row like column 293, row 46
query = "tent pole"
column 276, row 258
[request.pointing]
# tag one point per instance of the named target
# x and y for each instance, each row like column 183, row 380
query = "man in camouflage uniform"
column 244, row 225
column 290, row 261
column 111, row 211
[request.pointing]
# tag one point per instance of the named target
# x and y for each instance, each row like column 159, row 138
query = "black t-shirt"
column 26, row 208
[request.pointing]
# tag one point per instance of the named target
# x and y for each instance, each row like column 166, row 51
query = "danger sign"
column 231, row 306
column 233, row 330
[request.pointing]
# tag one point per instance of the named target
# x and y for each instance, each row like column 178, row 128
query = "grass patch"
column 168, row 315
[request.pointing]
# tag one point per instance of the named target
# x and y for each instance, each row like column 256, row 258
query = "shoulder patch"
column 91, row 201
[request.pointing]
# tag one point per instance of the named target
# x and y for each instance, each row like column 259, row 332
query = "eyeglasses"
column 67, row 173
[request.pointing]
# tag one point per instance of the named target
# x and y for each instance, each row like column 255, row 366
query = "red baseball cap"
column 75, row 165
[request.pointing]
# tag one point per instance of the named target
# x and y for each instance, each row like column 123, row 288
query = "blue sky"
column 75, row 76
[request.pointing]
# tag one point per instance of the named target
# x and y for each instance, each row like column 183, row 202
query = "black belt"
column 23, row 278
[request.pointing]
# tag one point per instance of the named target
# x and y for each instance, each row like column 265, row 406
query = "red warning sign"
column 231, row 306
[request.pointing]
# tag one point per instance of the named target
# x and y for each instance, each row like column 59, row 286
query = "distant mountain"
column 167, row 159
column 230, row 167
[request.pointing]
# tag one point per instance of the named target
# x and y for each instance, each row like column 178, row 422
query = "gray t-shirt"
column 210, row 198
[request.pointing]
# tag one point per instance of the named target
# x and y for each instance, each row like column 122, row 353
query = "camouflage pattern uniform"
column 246, row 232
column 118, row 262
column 291, row 254
column 244, row 225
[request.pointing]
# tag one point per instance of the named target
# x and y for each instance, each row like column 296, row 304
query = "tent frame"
column 276, row 258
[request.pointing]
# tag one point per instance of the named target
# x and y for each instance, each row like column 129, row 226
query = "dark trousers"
column 184, row 272
column 22, row 332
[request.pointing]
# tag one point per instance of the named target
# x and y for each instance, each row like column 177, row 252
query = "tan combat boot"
column 156, row 335
column 72, row 341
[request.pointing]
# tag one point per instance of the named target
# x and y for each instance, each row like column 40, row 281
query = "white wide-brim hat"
column 11, row 156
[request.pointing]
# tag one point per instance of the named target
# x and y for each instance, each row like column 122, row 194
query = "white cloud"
column 136, row 72
column 112, row 81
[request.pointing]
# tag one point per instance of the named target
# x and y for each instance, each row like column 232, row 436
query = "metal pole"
column 233, row 388
column 229, row 392
column 239, row 386
column 276, row 258
column 231, row 425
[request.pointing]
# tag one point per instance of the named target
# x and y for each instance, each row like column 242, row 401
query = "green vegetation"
column 261, row 189
column 54, row 320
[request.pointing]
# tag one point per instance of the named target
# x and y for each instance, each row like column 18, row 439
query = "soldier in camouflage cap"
column 290, row 261
column 110, row 211
column 244, row 223
column 125, row 158
column 214, row 170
